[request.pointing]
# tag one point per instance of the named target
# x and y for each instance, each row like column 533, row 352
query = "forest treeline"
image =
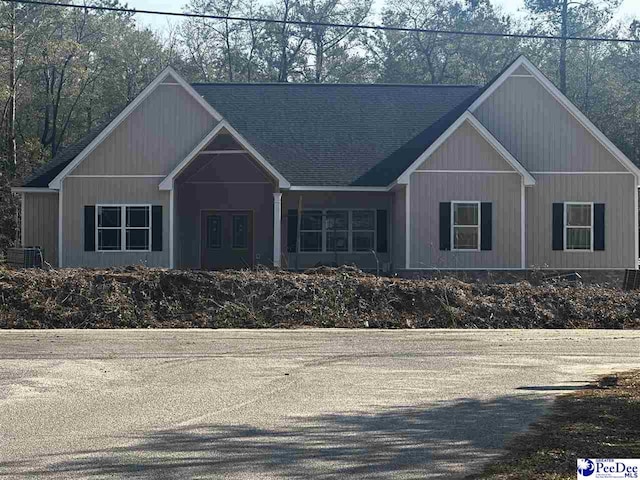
column 64, row 72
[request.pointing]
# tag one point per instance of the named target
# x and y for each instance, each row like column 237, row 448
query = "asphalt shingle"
column 325, row 134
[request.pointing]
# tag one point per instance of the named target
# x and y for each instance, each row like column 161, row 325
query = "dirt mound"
column 138, row 297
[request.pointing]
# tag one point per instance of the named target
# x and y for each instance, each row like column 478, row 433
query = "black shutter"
column 156, row 228
column 292, row 231
column 445, row 226
column 598, row 226
column 558, row 226
column 486, row 226
column 381, row 225
column 89, row 228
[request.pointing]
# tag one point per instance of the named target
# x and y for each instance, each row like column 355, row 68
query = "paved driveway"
column 327, row 404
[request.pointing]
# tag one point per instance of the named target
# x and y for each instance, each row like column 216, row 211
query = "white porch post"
column 277, row 221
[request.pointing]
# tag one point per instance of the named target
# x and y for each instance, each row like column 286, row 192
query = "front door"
column 227, row 239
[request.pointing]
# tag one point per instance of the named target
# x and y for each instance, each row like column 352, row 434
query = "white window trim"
column 453, row 225
column 349, row 231
column 123, row 227
column 566, row 227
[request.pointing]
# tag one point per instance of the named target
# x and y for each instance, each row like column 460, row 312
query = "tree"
column 434, row 58
column 331, row 46
column 559, row 18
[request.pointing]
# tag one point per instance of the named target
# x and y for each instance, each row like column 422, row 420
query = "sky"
column 628, row 9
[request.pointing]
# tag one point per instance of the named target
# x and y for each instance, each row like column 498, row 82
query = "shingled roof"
column 326, row 134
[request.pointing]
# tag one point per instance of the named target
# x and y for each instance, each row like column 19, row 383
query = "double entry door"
column 227, row 239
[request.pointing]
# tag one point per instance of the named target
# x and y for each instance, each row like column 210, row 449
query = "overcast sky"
column 629, row 8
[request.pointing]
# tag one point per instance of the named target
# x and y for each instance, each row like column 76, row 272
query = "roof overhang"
column 548, row 85
column 168, row 182
column 467, row 117
column 347, row 188
column 33, row 190
column 159, row 80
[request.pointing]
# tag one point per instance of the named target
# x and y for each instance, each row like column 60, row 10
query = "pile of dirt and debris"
column 137, row 297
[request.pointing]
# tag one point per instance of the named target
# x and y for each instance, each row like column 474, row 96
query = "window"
column 465, row 230
column 128, row 225
column 240, row 225
column 363, row 230
column 311, row 231
column 336, row 230
column 578, row 226
column 214, row 231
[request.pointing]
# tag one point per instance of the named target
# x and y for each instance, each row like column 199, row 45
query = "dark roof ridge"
column 413, row 85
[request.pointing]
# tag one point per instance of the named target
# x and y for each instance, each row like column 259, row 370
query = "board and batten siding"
column 399, row 229
column 78, row 192
column 427, row 190
column 540, row 132
column 615, row 191
column 466, row 149
column 41, row 224
column 154, row 138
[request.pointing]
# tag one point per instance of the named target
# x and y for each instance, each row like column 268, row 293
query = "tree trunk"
column 11, row 124
column 564, row 20
column 319, row 60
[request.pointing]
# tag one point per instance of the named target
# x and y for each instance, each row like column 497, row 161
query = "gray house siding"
column 545, row 137
column 540, row 132
column 78, row 192
column 399, row 228
column 222, row 182
column 155, row 137
column 427, row 190
column 465, row 149
column 615, row 191
column 568, row 162
column 41, row 224
column 338, row 200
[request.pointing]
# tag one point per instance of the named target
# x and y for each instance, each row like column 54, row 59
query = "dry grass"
column 602, row 421
column 137, row 297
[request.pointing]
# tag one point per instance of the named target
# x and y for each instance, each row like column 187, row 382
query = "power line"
column 327, row 24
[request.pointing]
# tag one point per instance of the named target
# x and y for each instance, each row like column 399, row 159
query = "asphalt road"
column 236, row 404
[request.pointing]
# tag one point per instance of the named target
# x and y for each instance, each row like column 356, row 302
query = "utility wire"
column 326, row 24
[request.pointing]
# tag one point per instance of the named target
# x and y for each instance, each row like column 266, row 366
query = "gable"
column 154, row 137
column 466, row 149
column 224, row 141
column 467, row 118
column 540, row 131
column 231, row 138
column 223, row 168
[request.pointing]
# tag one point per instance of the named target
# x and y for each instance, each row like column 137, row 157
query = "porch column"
column 277, row 221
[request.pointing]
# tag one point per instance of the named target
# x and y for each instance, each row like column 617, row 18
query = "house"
column 511, row 176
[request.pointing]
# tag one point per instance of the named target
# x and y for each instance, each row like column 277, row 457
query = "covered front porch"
column 229, row 211
column 225, row 208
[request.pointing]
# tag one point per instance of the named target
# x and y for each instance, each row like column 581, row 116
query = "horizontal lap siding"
column 427, row 190
column 327, row 200
column 41, row 224
column 155, row 137
column 78, row 192
column 615, row 191
column 540, row 132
